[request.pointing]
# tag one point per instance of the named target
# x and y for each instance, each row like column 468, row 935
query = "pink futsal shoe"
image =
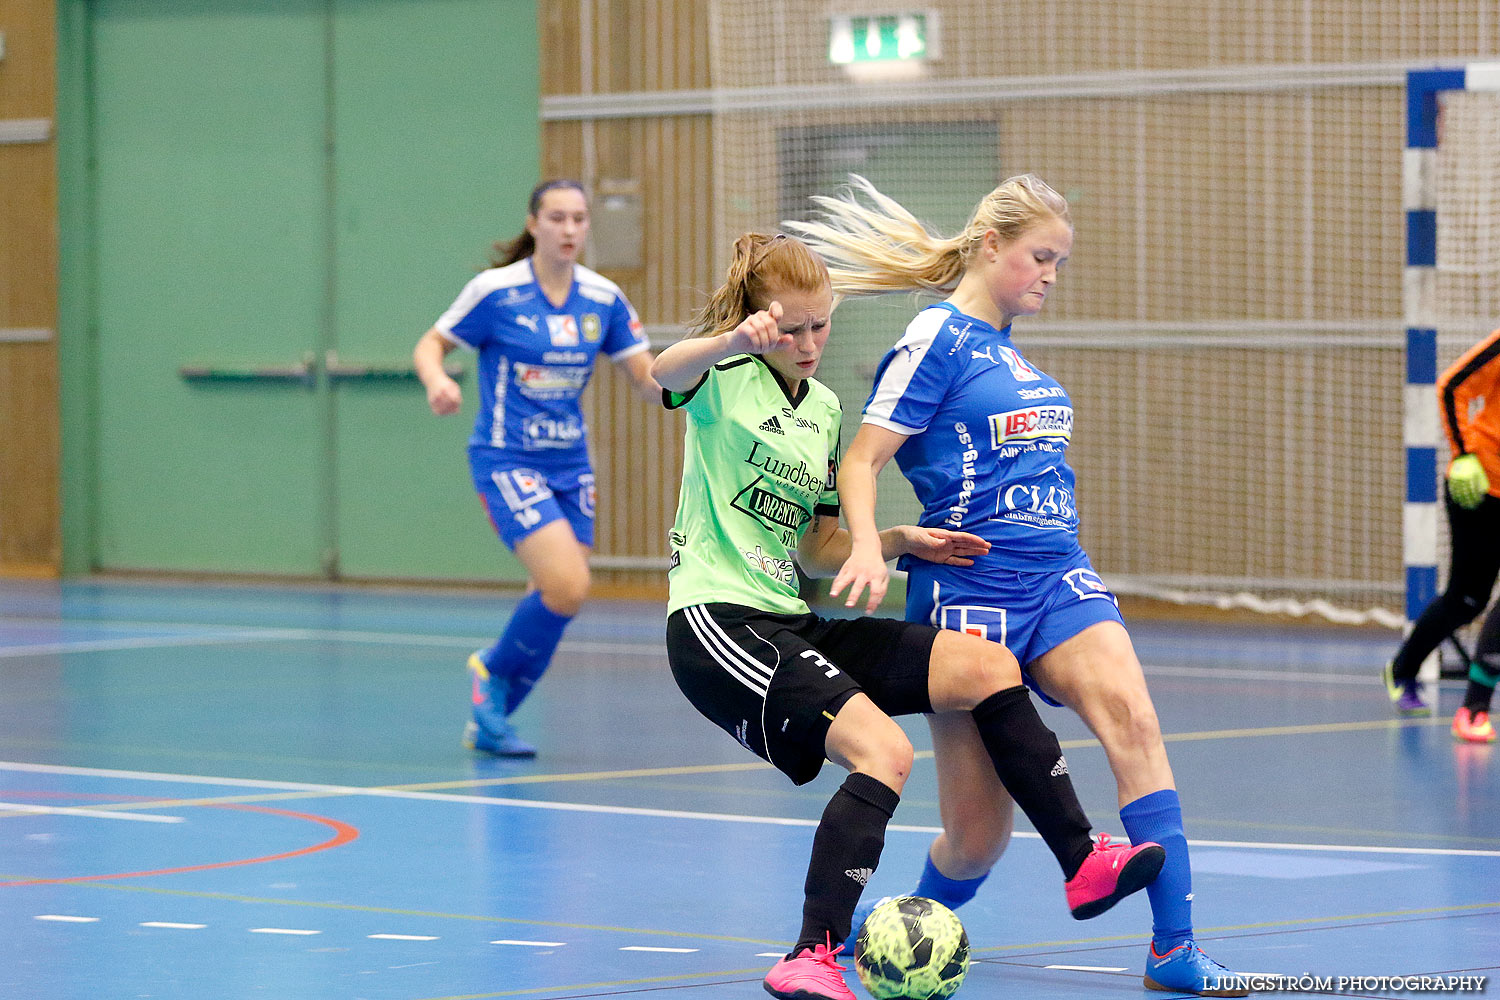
column 811, row 975
column 1110, row 873
column 1471, row 726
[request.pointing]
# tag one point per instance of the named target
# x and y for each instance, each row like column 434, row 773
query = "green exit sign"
column 881, row 38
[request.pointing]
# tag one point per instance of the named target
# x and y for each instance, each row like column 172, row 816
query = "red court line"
column 343, row 834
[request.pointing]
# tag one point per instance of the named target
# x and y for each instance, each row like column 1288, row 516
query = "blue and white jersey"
column 535, row 358
column 987, row 438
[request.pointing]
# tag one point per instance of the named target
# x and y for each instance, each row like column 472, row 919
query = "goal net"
column 1466, row 289
column 1230, row 323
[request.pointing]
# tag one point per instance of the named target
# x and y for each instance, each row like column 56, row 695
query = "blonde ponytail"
column 874, row 245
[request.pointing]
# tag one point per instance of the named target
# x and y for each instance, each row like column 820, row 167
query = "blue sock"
column 1158, row 817
column 521, row 655
column 951, row 892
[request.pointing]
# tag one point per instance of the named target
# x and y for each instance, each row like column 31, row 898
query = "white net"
column 1466, row 300
column 1230, row 325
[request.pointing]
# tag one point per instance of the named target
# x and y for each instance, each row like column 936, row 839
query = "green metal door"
column 435, row 113
column 286, row 194
column 209, row 254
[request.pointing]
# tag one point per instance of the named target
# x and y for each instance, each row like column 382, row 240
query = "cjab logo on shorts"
column 1087, row 585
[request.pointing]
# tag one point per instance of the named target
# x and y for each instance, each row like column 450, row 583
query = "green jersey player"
column 759, row 497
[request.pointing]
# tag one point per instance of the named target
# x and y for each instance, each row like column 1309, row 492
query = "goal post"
column 1451, row 287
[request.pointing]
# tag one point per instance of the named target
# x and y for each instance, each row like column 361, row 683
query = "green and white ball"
column 913, row 949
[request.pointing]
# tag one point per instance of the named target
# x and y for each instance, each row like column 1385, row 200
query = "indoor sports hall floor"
column 216, row 792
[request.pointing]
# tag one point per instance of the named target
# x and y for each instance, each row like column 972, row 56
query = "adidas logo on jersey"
column 860, row 875
column 773, row 425
column 1060, row 768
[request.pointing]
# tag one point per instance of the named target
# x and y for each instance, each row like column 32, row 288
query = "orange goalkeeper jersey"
column 1465, row 393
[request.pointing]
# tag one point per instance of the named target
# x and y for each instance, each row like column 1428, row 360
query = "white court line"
column 283, row 930
column 1280, row 676
column 402, row 937
column 60, row 918
column 532, row 944
column 89, row 813
column 670, row 951
column 172, row 926
column 144, row 642
column 1087, row 968
column 491, row 801
column 250, row 633
column 211, row 634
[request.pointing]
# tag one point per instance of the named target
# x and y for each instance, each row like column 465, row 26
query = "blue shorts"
column 521, row 500
column 1029, row 613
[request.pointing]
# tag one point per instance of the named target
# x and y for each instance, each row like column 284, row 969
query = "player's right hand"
column 444, row 397
column 760, row 333
column 863, row 568
column 1467, row 483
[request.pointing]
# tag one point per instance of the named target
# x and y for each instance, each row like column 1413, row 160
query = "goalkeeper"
column 1473, row 504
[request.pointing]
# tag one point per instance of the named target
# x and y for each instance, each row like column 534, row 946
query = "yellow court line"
column 391, row 911
column 658, row 772
column 1204, row 933
column 756, row 973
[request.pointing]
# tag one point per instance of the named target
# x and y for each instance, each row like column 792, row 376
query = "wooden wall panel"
column 668, row 162
column 30, row 542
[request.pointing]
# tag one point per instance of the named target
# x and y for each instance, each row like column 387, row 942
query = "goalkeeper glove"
column 1467, row 483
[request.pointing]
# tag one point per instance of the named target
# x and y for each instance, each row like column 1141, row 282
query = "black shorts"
column 775, row 682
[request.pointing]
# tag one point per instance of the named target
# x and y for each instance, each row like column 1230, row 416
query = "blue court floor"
column 213, row 792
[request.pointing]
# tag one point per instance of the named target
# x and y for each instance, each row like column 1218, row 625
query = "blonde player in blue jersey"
column 982, row 434
column 760, row 497
column 538, row 320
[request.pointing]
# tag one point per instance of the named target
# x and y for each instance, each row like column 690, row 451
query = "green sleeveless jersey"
column 758, row 466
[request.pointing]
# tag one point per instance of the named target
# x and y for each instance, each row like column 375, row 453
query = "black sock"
column 1030, row 764
column 845, row 851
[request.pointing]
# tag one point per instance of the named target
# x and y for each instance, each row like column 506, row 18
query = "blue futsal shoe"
column 490, row 730
column 487, row 713
column 861, row 914
column 503, row 744
column 1185, row 969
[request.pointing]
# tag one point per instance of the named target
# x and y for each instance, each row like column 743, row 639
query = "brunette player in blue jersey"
column 760, row 495
column 538, row 319
column 982, row 434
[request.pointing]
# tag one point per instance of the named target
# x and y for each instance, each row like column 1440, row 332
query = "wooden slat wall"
column 30, row 543
column 608, row 46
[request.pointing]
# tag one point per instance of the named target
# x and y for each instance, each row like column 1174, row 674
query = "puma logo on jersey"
column 529, row 322
column 773, row 426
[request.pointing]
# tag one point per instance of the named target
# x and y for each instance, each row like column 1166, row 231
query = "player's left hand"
column 939, row 545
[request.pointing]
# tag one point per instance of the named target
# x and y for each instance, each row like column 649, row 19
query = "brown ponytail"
column 524, row 245
column 761, row 261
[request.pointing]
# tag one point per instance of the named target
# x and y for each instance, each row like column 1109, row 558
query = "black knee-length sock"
column 1030, row 764
column 846, row 849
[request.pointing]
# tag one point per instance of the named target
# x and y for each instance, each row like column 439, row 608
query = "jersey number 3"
column 829, row 669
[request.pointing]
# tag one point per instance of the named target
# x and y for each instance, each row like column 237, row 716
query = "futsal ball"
column 912, row 948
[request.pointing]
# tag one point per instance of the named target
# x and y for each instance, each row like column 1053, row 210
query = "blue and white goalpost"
column 1426, row 447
